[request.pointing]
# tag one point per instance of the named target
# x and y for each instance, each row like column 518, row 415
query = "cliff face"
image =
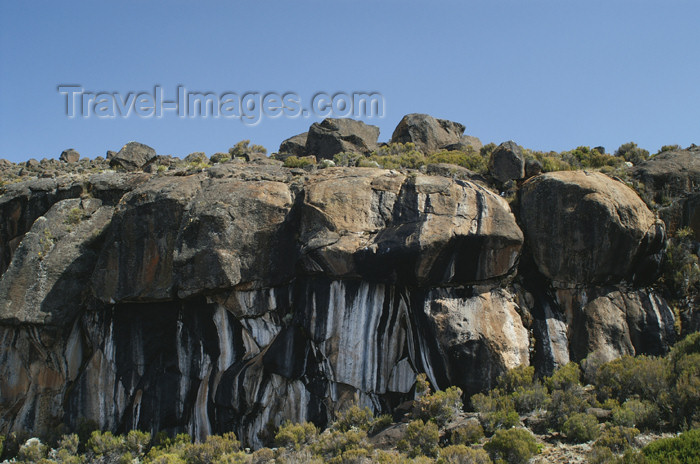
column 247, row 294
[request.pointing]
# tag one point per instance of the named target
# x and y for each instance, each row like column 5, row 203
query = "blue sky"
column 551, row 75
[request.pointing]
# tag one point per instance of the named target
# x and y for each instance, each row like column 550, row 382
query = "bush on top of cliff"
column 632, row 153
column 243, row 149
column 406, row 156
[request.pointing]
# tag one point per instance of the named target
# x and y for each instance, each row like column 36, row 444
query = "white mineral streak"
column 556, row 341
column 262, row 329
column 362, row 354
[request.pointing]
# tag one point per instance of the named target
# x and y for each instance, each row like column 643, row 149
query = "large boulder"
column 507, row 162
column 481, row 335
column 466, row 143
column 133, row 156
column 383, row 226
column 429, row 134
column 584, row 227
column 45, row 282
column 670, row 174
column 294, row 145
column 333, row 136
column 69, row 156
column 607, row 322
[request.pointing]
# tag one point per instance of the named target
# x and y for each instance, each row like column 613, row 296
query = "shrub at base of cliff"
column 295, row 436
column 581, row 427
column 467, row 434
column 567, row 396
column 680, row 449
column 420, row 439
column 512, row 446
column 461, row 454
column 496, row 411
column 617, row 438
column 680, row 278
column 439, row 407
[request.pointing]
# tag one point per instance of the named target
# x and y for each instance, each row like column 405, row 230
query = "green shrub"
column 563, row 404
column 243, row 149
column 220, row 158
column 439, row 407
column 600, row 455
column 680, row 272
column 467, row 159
column 212, row 449
column 487, row 149
column 495, row 411
column 137, row 442
column 617, row 438
column 635, row 413
column 69, row 443
column 103, row 444
column 681, row 449
column 513, row 446
column 461, row 454
column 565, row 377
column 67, row 450
column 295, row 435
column 467, row 434
column 332, row 443
column 354, row 416
column 262, row 456
column 642, row 376
column 352, row 456
column 528, row 394
column 347, row 159
column 686, row 391
column 380, row 423
column 420, row 438
column 74, row 216
column 552, row 164
column 296, row 162
column 581, row 427
column 33, row 450
column 669, row 148
column 632, row 153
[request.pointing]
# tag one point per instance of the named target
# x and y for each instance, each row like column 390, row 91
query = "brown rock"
column 585, row 227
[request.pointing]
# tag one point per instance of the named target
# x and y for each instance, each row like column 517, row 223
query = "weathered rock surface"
column 584, row 227
column 244, row 294
column 333, row 136
column 427, row 133
column 423, row 230
column 69, row 156
column 507, row 162
column 671, row 174
column 295, row 145
column 132, row 157
column 466, row 143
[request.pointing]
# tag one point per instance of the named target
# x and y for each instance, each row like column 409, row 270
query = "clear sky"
column 551, row 75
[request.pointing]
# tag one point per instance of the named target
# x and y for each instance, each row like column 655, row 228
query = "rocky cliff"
column 238, row 296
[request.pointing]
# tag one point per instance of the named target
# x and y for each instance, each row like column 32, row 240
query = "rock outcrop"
column 295, row 145
column 69, row 156
column 584, row 227
column 427, row 133
column 241, row 295
column 333, row 136
column 507, row 162
column 132, row 157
